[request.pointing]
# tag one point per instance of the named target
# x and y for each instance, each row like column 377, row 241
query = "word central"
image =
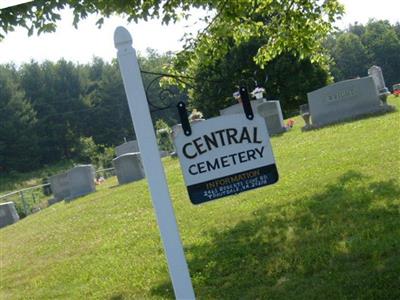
column 226, row 161
column 220, row 138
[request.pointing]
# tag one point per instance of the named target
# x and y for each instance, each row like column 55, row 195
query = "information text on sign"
column 224, row 156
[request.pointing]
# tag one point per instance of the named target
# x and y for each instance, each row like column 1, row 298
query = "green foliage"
column 328, row 229
column 14, row 180
column 54, row 91
column 159, row 92
column 350, row 56
column 164, row 136
column 91, row 153
column 289, row 79
column 289, row 25
column 109, row 120
column 383, row 45
column 50, row 108
column 361, row 46
column 18, row 139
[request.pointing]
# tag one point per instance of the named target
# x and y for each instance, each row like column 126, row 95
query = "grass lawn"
column 329, row 229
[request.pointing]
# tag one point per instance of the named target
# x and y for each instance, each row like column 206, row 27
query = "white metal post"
column 153, row 168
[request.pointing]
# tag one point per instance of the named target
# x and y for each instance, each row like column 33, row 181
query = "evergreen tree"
column 18, row 138
column 109, row 120
column 350, row 56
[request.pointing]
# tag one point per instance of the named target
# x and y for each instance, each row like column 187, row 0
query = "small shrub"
column 164, row 136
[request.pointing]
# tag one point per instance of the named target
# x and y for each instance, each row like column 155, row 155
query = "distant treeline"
column 52, row 111
column 361, row 46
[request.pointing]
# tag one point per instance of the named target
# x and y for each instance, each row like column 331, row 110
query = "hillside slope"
column 330, row 228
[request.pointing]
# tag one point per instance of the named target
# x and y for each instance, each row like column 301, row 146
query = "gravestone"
column 128, row 167
column 272, row 114
column 376, row 73
column 178, row 127
column 81, row 181
column 343, row 100
column 74, row 183
column 377, row 76
column 8, row 214
column 60, row 186
column 238, row 107
column 128, row 147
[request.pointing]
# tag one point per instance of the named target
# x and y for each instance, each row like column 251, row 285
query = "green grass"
column 329, row 229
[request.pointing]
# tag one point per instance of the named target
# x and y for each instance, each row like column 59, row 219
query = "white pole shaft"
column 153, row 167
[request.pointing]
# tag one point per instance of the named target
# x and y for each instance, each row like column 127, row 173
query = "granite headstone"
column 238, row 107
column 74, row 183
column 60, row 186
column 81, row 181
column 128, row 147
column 343, row 100
column 272, row 113
column 8, row 214
column 128, row 167
column 376, row 73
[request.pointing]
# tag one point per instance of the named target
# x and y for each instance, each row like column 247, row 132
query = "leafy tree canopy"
column 360, row 46
column 297, row 25
column 289, row 79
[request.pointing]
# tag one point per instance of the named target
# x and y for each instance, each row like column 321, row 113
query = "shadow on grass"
column 342, row 243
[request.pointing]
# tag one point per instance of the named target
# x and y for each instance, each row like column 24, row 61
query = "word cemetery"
column 221, row 138
column 225, row 155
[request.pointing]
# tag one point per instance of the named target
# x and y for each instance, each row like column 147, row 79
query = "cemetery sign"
column 225, row 155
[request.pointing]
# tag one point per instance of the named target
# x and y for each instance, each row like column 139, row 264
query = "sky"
column 82, row 44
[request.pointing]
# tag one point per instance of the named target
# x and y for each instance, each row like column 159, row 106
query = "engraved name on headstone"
column 343, row 100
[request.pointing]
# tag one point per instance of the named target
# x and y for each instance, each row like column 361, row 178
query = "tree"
column 357, row 29
column 289, row 79
column 108, row 122
column 290, row 25
column 360, row 46
column 54, row 90
column 383, row 45
column 350, row 56
column 397, row 29
column 18, row 139
column 160, row 93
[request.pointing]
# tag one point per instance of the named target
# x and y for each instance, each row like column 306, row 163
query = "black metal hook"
column 187, row 130
column 244, row 96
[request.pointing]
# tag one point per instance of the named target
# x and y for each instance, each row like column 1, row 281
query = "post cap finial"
column 122, row 37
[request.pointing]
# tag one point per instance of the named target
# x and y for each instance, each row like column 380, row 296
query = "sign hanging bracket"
column 244, row 96
column 187, row 130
